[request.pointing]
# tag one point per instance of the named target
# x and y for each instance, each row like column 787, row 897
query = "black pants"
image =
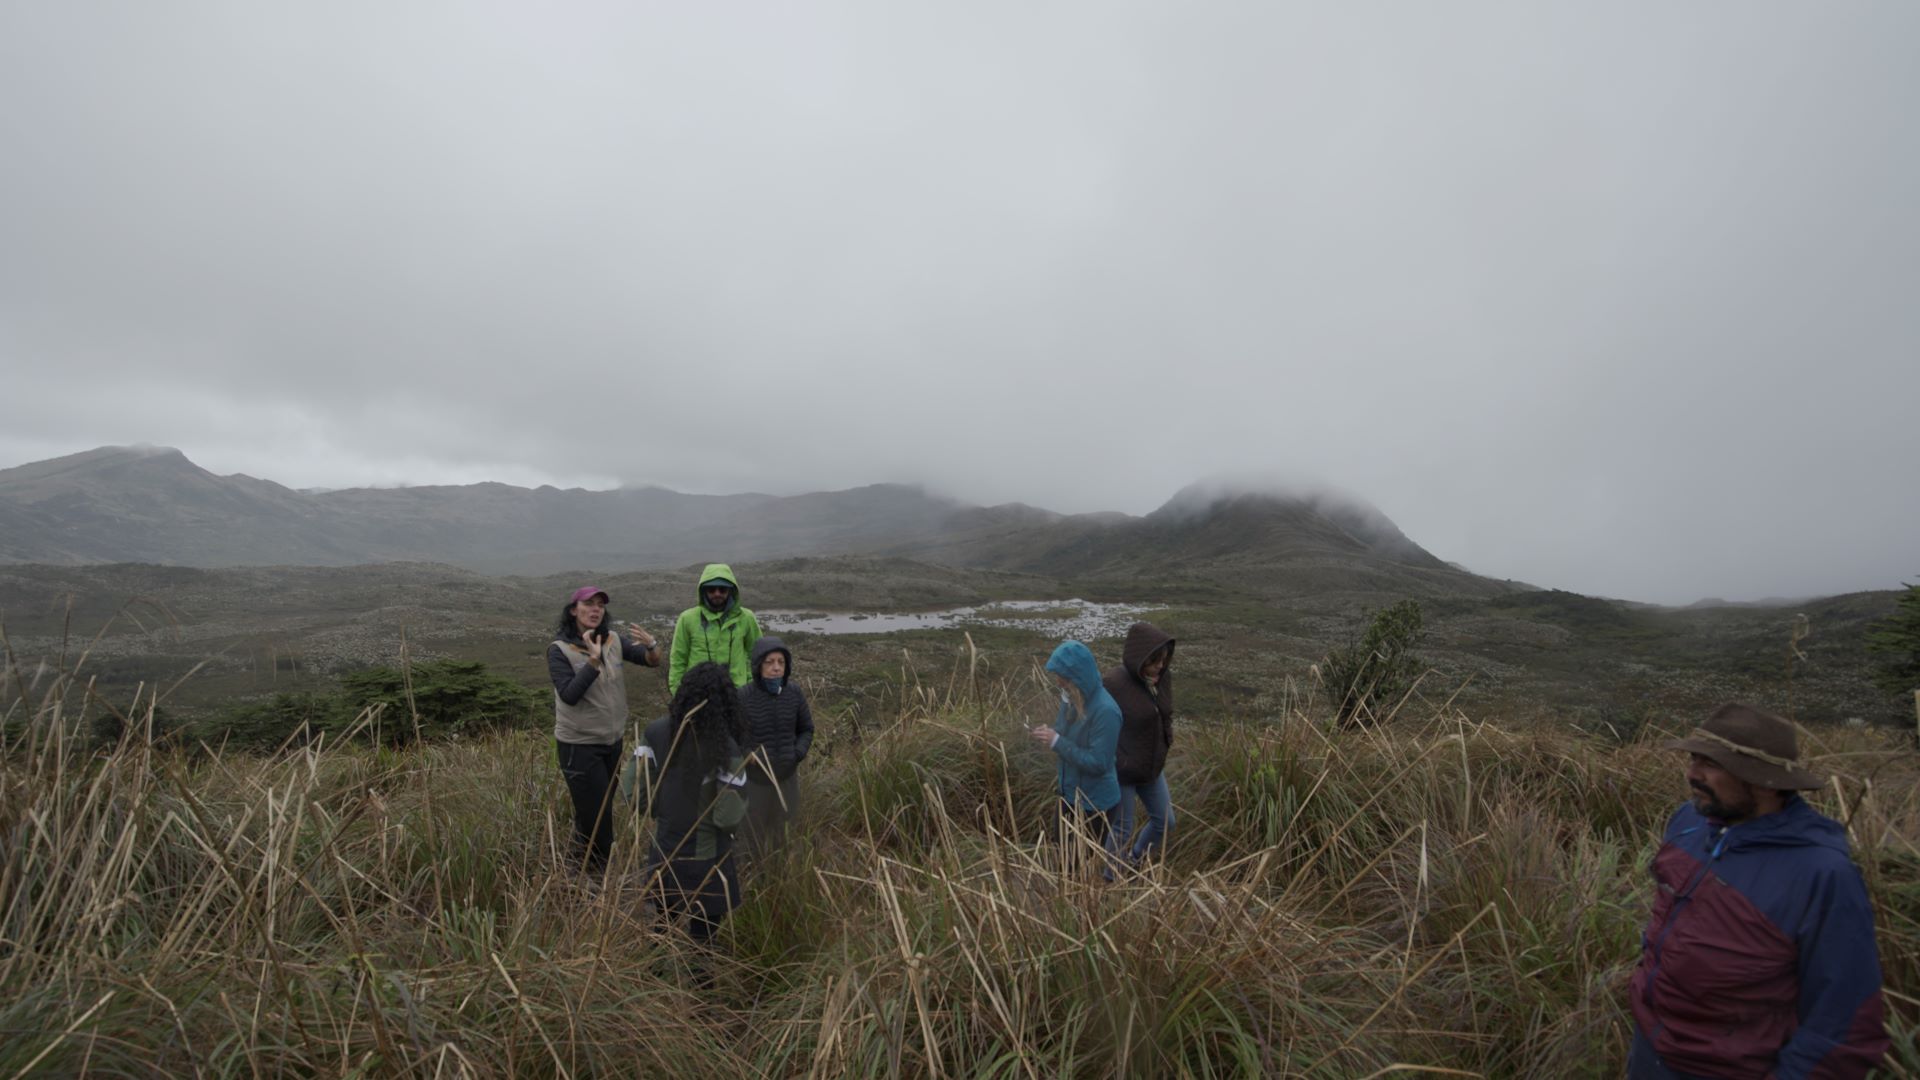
column 705, row 889
column 1644, row 1064
column 1095, row 824
column 592, row 771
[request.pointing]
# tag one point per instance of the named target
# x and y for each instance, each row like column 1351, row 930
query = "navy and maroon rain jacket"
column 1759, row 959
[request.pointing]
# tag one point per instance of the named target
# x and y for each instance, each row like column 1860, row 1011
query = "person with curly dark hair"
column 587, row 664
column 688, row 773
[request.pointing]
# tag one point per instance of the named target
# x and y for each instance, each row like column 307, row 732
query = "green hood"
column 723, row 572
column 724, row 637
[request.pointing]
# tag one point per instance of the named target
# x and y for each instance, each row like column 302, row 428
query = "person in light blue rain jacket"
column 1084, row 737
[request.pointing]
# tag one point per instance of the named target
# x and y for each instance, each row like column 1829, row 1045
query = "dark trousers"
column 1078, row 826
column 1644, row 1064
column 592, row 770
column 705, row 889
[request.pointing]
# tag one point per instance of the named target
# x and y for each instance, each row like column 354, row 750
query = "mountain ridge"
column 154, row 504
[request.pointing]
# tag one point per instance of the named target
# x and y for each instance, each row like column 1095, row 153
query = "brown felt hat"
column 1758, row 747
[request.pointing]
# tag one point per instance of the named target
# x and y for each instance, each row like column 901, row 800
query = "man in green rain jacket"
column 715, row 628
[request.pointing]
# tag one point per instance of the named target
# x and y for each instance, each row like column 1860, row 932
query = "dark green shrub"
column 1896, row 639
column 297, row 717
column 450, row 697
column 437, row 700
column 1374, row 672
column 109, row 725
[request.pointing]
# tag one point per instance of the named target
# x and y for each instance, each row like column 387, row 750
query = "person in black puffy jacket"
column 779, row 732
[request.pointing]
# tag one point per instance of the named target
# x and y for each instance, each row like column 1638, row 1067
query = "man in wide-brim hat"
column 1759, row 958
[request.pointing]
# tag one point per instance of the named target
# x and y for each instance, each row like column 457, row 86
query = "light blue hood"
column 1075, row 661
column 1086, row 743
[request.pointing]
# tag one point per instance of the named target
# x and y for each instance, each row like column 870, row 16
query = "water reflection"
column 1076, row 618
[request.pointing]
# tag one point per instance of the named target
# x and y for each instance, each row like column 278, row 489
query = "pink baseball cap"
column 585, row 591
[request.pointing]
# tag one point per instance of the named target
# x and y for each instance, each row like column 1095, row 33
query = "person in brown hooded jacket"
column 1142, row 685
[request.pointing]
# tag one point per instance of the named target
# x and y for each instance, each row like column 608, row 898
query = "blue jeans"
column 1154, row 796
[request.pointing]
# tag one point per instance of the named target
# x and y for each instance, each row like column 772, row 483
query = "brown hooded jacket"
column 1146, row 716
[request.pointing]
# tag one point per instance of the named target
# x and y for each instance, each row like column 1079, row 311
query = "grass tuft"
column 1430, row 895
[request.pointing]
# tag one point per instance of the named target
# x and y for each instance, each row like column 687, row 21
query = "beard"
column 1710, row 805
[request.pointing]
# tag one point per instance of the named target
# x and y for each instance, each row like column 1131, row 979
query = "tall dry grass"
column 1433, row 895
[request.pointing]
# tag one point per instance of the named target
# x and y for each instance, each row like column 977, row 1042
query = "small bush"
column 1379, row 668
column 1896, row 641
column 442, row 699
column 449, row 697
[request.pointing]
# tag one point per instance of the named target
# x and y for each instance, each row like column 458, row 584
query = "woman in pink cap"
column 587, row 664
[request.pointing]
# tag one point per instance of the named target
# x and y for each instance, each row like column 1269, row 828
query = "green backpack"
column 724, row 794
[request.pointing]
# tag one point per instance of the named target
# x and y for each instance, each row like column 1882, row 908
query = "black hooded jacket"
column 1146, row 716
column 779, row 726
column 690, row 818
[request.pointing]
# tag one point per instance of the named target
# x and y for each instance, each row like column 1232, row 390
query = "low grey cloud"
column 1611, row 297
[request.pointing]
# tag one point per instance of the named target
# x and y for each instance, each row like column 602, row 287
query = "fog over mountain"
column 152, row 504
column 1616, row 298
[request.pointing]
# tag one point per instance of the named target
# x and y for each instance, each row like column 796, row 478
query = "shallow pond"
column 1082, row 619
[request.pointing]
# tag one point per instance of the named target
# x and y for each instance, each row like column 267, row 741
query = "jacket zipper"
column 1681, row 898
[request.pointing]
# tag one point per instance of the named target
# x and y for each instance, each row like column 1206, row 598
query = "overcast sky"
column 1616, row 297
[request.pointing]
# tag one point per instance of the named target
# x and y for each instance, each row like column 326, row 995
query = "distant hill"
column 151, row 504
column 1270, row 545
column 1768, row 602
